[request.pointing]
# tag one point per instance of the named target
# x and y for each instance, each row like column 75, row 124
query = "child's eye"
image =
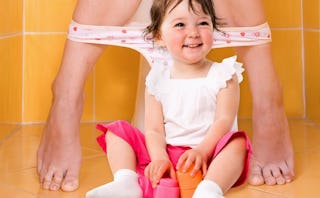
column 204, row 23
column 179, row 25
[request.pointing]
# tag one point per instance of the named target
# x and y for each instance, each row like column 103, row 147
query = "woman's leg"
column 59, row 153
column 272, row 161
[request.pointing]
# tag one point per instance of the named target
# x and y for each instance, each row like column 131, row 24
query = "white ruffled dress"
column 189, row 104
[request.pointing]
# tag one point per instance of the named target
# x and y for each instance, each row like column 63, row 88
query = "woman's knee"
column 105, row 12
column 240, row 13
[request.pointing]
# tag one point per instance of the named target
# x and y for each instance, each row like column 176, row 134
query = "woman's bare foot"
column 272, row 162
column 59, row 153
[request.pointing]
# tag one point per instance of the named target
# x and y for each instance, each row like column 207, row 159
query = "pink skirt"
column 135, row 138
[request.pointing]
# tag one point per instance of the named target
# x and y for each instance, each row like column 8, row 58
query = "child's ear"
column 159, row 41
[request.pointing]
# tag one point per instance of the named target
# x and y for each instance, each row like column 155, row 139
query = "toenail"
column 55, row 187
column 70, row 186
column 45, row 185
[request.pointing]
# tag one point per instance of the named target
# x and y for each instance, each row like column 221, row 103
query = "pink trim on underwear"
column 133, row 37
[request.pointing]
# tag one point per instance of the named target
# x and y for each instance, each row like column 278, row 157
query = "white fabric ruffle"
column 218, row 76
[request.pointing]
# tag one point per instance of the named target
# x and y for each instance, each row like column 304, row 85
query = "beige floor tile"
column 18, row 153
column 306, row 183
column 13, row 192
column 18, row 175
column 6, row 130
column 249, row 192
column 94, row 172
column 305, row 135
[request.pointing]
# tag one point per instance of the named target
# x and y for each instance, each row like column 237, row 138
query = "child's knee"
column 111, row 137
column 239, row 143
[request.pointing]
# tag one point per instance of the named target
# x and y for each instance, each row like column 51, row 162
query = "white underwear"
column 132, row 36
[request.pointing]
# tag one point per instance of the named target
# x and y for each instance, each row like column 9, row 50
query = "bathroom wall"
column 10, row 61
column 32, row 36
column 284, row 18
column 312, row 58
column 45, row 25
column 110, row 88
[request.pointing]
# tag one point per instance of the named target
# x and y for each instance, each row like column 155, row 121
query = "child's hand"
column 157, row 168
column 190, row 157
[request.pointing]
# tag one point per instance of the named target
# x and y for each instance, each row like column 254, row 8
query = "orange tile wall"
column 311, row 23
column 31, row 45
column 10, row 61
column 46, row 23
column 284, row 18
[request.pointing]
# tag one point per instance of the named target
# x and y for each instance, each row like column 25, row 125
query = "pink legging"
column 135, row 138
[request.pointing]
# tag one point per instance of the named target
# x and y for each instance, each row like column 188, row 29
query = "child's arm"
column 155, row 141
column 226, row 111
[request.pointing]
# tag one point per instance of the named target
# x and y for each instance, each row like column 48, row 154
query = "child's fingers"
column 147, row 172
column 161, row 170
column 187, row 164
column 151, row 172
column 197, row 166
column 173, row 173
column 156, row 175
column 181, row 161
column 204, row 169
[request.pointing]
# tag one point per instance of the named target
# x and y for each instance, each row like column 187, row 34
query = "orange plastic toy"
column 187, row 183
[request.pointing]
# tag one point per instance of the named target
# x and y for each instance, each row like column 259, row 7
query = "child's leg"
column 123, row 166
column 127, row 159
column 224, row 170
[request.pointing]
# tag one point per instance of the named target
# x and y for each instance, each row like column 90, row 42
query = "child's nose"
column 193, row 32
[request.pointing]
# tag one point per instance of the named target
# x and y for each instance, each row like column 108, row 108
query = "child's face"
column 187, row 35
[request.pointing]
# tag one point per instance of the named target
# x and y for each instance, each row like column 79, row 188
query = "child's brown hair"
column 159, row 9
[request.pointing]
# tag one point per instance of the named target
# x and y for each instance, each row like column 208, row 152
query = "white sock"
column 208, row 189
column 124, row 185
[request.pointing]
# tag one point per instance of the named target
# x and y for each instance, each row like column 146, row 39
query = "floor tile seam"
column 314, row 124
column 19, row 171
column 15, row 188
column 93, row 156
column 11, row 133
column 267, row 191
column 315, row 148
column 92, row 149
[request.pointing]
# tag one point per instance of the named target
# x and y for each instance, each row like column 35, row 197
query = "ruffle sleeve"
column 222, row 72
column 155, row 80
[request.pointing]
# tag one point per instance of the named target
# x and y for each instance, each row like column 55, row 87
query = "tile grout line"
column 11, row 133
column 266, row 191
column 23, row 58
column 94, row 94
column 45, row 33
column 304, row 95
column 10, row 35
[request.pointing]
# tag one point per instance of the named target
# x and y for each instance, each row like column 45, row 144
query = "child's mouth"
column 192, row 45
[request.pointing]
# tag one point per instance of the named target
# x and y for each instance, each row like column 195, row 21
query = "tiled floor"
column 18, row 178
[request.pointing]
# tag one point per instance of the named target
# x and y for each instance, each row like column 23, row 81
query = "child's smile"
column 187, row 33
column 192, row 45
